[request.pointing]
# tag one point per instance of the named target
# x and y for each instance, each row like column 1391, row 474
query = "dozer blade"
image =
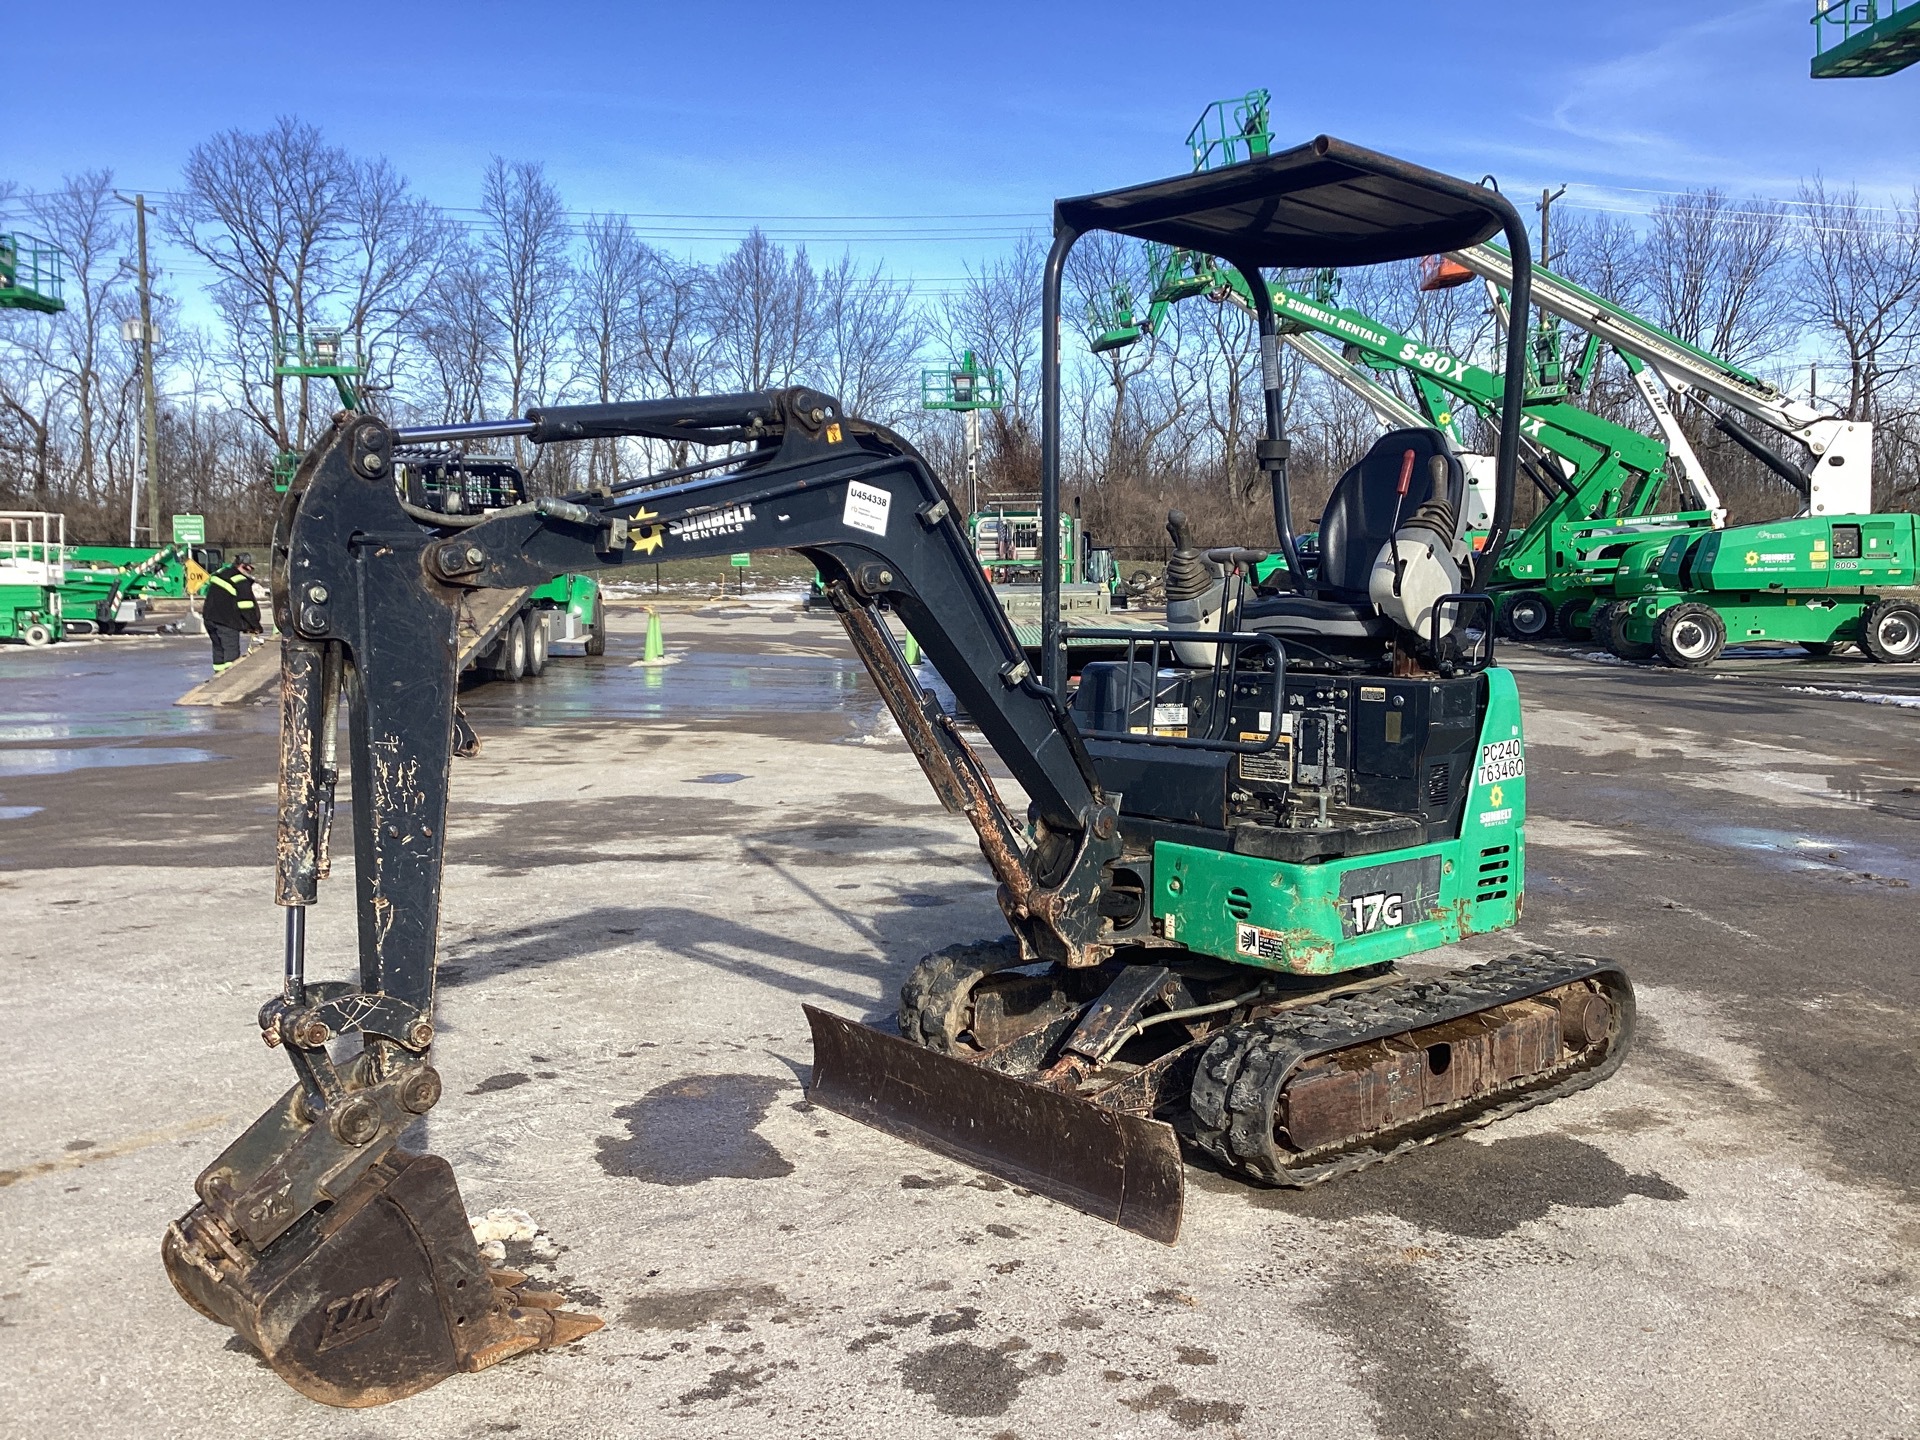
column 373, row 1298
column 1121, row 1168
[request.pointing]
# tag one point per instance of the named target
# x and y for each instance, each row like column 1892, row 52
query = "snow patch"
column 1868, row 697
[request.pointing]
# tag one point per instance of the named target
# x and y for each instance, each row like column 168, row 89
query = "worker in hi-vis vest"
column 230, row 606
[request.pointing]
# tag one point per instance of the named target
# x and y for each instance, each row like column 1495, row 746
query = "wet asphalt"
column 650, row 869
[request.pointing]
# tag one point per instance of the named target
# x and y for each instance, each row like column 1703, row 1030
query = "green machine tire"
column 1573, row 619
column 1690, row 635
column 1526, row 615
column 1890, row 632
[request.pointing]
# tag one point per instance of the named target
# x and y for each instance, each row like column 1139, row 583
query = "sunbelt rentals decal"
column 723, row 520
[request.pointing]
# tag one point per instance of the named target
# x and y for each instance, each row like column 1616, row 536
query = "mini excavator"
column 1230, row 835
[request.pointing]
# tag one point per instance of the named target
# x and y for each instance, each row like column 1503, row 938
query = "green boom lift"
column 323, row 352
column 31, row 275
column 1603, row 479
column 1816, row 579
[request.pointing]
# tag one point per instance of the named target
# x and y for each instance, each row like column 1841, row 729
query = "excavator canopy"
column 1322, row 203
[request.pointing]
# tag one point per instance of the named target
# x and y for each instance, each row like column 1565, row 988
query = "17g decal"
column 1382, row 910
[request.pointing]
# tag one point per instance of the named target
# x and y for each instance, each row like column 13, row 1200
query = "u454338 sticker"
column 866, row 508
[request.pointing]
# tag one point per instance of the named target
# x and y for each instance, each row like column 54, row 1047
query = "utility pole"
column 149, row 405
column 1546, row 207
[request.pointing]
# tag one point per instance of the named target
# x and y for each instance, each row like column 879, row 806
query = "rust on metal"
column 1400, row 1080
column 297, row 849
column 955, row 772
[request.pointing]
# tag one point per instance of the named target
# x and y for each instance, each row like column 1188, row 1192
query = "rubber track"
column 1243, row 1069
column 934, row 1002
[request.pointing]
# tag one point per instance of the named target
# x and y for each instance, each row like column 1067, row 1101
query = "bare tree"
column 1602, row 253
column 675, row 349
column 1715, row 273
column 265, row 212
column 1104, row 271
column 1860, row 270
column 456, row 330
column 870, row 337
column 612, row 275
column 57, row 371
column 524, row 242
column 393, row 247
column 762, row 307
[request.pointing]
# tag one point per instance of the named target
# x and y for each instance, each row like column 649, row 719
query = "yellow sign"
column 196, row 576
column 833, row 433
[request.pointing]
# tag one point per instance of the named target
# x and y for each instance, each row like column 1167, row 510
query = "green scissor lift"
column 1857, row 39
column 32, row 544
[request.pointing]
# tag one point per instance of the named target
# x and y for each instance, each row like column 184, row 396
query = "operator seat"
column 1361, row 515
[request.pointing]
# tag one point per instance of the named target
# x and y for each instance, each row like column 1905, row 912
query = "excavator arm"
column 315, row 1231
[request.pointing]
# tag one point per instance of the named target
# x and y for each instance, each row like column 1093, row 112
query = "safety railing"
column 1166, row 706
column 1229, row 131
column 31, row 274
column 318, row 350
column 1864, row 37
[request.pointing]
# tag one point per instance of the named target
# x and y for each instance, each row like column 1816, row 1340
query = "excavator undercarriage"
column 1230, row 836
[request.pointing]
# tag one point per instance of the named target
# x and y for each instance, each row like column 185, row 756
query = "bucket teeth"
column 529, row 1320
column 540, row 1299
column 571, row 1325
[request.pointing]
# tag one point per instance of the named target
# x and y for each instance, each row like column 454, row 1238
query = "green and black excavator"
column 1230, row 836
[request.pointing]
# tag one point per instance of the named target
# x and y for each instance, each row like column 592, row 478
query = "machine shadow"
column 897, row 934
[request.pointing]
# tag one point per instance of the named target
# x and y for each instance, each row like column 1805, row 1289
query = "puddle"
column 19, row 812
column 719, row 777
column 702, row 1127
column 1815, row 854
column 60, row 762
column 43, row 726
column 119, row 689
column 700, row 684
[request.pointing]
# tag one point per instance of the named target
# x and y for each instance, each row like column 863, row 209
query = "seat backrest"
column 1365, row 506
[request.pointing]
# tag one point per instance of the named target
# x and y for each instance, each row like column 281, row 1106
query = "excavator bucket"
column 371, row 1299
column 1122, row 1168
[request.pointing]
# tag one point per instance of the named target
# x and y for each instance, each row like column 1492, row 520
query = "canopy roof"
column 1322, row 203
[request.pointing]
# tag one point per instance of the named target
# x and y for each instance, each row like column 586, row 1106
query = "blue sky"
column 737, row 110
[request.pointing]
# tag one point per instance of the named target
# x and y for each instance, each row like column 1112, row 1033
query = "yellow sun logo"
column 1495, row 796
column 646, row 538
